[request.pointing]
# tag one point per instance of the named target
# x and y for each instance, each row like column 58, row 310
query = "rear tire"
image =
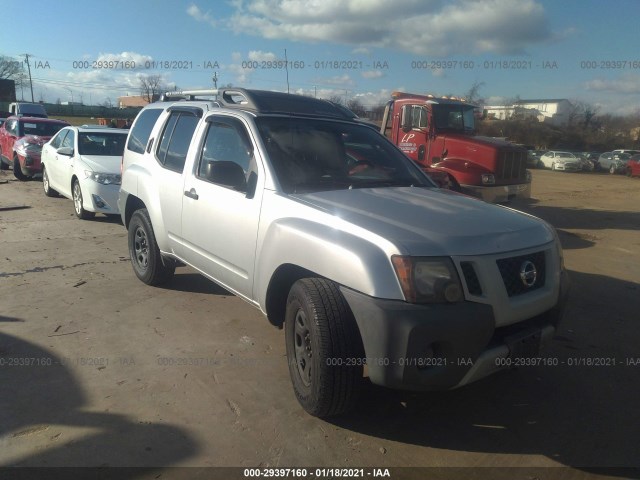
column 324, row 348
column 48, row 191
column 17, row 171
column 148, row 264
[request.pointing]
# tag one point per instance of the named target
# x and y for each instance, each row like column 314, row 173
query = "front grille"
column 471, row 278
column 512, row 165
column 510, row 270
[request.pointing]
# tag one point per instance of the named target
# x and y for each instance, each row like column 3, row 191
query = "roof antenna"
column 286, row 67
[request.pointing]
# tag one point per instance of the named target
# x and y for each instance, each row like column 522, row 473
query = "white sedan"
column 565, row 161
column 83, row 164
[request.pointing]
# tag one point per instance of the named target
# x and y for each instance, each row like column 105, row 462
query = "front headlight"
column 428, row 279
column 488, row 179
column 28, row 148
column 104, row 178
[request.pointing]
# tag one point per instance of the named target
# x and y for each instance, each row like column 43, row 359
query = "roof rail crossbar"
column 188, row 94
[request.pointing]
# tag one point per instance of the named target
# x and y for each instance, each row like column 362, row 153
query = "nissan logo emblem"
column 528, row 273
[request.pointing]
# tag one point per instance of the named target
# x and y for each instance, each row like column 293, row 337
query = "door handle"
column 191, row 194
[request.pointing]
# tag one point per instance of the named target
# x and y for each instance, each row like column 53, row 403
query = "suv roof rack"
column 263, row 101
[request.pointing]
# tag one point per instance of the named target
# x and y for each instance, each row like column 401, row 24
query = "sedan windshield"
column 107, row 144
column 316, row 155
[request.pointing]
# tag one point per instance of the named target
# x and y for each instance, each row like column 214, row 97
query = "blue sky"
column 353, row 48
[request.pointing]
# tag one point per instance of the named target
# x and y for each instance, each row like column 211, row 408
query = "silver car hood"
column 429, row 221
column 102, row 163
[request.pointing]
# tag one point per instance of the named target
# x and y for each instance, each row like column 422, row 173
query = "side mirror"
column 66, row 151
column 229, row 174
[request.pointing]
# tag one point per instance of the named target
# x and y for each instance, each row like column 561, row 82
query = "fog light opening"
column 98, row 201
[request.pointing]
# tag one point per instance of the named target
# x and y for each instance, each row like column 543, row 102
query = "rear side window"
column 175, row 140
column 142, row 129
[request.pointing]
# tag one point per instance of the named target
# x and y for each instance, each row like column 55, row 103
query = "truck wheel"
column 76, row 193
column 323, row 347
column 48, row 191
column 146, row 260
column 17, row 171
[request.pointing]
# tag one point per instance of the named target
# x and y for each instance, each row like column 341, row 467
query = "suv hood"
column 430, row 222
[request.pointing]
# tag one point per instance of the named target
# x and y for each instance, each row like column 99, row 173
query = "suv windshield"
column 316, row 155
column 108, row 144
column 454, row 117
column 43, row 129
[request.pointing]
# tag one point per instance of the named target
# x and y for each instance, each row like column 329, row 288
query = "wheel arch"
column 278, row 290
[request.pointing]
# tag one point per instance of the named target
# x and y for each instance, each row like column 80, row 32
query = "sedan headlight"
column 104, row 178
column 428, row 279
column 28, row 148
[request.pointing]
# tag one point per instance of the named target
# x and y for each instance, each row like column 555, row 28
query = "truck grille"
column 512, row 165
column 511, row 269
column 471, row 278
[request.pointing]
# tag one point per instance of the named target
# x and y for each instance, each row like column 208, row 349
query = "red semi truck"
column 439, row 134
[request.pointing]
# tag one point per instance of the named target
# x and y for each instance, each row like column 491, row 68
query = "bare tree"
column 336, row 99
column 10, row 68
column 356, row 107
column 473, row 95
column 151, row 86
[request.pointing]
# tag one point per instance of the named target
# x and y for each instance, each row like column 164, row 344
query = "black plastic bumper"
column 433, row 347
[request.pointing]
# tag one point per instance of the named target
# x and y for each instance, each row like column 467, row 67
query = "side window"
column 68, row 141
column 57, row 140
column 227, row 153
column 141, row 131
column 418, row 117
column 175, row 140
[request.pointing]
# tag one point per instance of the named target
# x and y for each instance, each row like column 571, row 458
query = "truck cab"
column 23, row 109
column 439, row 135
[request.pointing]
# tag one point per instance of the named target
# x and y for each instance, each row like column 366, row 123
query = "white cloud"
column 261, row 56
column 370, row 74
column 194, row 11
column 126, row 59
column 625, row 84
column 343, row 80
column 431, row 28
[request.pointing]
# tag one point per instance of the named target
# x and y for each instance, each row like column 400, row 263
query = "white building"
column 553, row 111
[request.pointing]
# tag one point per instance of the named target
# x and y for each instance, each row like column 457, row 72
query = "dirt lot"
column 123, row 374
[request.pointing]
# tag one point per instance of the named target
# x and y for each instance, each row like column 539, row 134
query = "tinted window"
column 57, row 140
column 43, row 129
column 175, row 140
column 106, row 144
column 12, row 127
column 227, row 154
column 317, row 155
column 141, row 131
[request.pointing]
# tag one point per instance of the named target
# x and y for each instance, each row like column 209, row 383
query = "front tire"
column 76, row 193
column 553, row 167
column 17, row 171
column 48, row 191
column 612, row 169
column 324, row 348
column 146, row 260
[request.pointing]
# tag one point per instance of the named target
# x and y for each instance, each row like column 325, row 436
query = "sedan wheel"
column 48, row 191
column 81, row 213
column 612, row 169
column 17, row 171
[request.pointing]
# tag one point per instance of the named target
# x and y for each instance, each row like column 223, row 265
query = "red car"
column 21, row 140
column 633, row 166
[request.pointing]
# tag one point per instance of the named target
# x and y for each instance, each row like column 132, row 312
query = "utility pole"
column 26, row 56
column 215, row 82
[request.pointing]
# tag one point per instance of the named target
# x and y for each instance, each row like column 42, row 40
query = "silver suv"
column 325, row 226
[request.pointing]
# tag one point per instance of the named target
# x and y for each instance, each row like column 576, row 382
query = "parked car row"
column 616, row 161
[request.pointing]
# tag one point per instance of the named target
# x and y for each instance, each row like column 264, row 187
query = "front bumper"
column 444, row 346
column 498, row 193
column 100, row 198
column 568, row 167
column 30, row 165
